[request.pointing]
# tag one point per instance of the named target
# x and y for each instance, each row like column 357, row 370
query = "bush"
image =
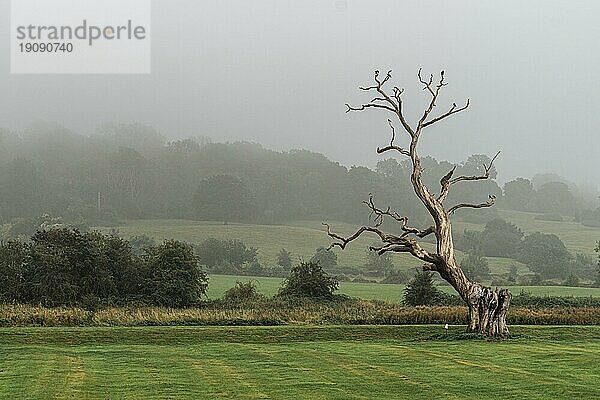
column 327, row 259
column 173, row 275
column 572, row 281
column 13, row 263
column 309, row 280
column 225, row 256
column 243, row 292
column 421, row 290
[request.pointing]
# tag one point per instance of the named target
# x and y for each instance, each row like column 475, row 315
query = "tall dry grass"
column 265, row 313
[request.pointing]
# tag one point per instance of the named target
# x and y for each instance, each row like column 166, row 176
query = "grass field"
column 577, row 238
column 334, row 362
column 301, row 240
column 218, row 284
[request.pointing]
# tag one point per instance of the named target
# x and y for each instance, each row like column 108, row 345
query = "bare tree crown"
column 392, row 101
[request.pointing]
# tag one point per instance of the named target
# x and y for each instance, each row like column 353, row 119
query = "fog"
column 279, row 72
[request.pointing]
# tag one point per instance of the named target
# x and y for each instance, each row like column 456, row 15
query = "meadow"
column 301, row 238
column 297, row 362
column 393, row 293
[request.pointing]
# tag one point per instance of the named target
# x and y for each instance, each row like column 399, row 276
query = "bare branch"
column 485, row 175
column 344, row 241
column 391, row 146
column 445, row 184
column 368, row 105
column 489, row 203
column 453, row 110
column 434, row 91
column 447, row 180
column 380, row 214
column 394, row 101
column 391, row 243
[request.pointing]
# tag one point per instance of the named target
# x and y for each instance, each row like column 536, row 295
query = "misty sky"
column 279, row 72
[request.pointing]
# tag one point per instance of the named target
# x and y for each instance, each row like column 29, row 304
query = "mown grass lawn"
column 297, row 362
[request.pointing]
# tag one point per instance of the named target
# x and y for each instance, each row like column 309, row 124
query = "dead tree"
column 487, row 307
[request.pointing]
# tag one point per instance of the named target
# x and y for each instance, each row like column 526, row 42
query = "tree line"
column 65, row 267
column 131, row 171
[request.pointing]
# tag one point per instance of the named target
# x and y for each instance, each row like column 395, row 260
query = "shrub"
column 243, row 292
column 421, row 290
column 225, row 256
column 13, row 263
column 308, row 279
column 173, row 276
column 284, row 259
column 572, row 281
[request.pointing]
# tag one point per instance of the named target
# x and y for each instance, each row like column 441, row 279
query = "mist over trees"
column 130, row 171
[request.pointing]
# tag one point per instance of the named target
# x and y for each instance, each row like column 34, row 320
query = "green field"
column 301, row 238
column 334, row 362
column 218, row 284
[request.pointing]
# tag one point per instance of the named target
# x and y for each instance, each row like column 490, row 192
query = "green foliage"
column 243, row 293
column 130, row 171
column 396, row 276
column 60, row 267
column 519, row 194
column 555, row 197
column 378, row 265
column 139, row 243
column 475, row 267
column 500, row 238
column 421, row 290
column 584, row 266
column 284, row 259
column 224, row 198
column 173, row 275
column 308, row 279
column 13, row 265
column 227, row 256
column 327, row 259
column 572, row 280
column 545, row 254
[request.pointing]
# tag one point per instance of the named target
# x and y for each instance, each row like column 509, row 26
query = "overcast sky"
column 279, row 72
